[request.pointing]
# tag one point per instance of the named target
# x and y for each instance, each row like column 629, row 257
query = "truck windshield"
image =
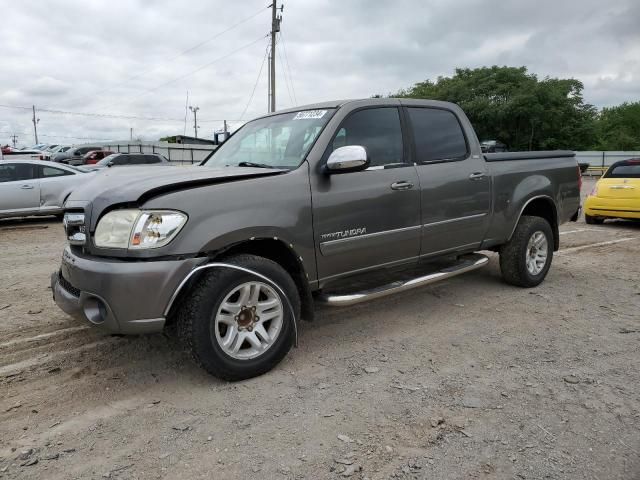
column 278, row 141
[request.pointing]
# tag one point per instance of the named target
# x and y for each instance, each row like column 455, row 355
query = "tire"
column 593, row 220
column 515, row 254
column 203, row 333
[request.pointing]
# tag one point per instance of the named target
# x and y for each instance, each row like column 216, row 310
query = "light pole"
column 195, row 119
column 35, row 124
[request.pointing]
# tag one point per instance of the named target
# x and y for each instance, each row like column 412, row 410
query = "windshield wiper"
column 255, row 165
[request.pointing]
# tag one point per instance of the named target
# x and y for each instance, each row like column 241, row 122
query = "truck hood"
column 138, row 184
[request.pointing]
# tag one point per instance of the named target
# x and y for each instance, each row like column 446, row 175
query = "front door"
column 19, row 188
column 370, row 218
column 455, row 186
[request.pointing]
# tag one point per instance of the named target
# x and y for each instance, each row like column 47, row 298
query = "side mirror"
column 352, row 158
column 110, row 164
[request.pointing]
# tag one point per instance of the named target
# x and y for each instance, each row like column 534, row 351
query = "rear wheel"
column 593, row 220
column 526, row 258
column 237, row 325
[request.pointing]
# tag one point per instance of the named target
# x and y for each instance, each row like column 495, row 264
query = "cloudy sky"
column 133, row 61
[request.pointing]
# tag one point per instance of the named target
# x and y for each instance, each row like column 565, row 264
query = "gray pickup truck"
column 338, row 202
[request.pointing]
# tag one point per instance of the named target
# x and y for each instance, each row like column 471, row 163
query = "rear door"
column 54, row 183
column 455, row 185
column 369, row 218
column 19, row 187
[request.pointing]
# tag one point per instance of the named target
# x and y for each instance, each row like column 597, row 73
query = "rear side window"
column 624, row 170
column 14, row 172
column 151, row 159
column 48, row 172
column 377, row 130
column 121, row 160
column 437, row 135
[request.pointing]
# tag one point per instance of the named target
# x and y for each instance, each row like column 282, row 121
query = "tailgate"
column 619, row 188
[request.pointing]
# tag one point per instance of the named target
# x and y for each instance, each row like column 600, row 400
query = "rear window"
column 624, row 170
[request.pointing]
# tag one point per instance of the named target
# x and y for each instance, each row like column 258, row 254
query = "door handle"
column 26, row 187
column 402, row 185
column 477, row 176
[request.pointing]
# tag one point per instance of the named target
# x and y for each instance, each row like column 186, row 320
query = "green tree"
column 618, row 128
column 514, row 106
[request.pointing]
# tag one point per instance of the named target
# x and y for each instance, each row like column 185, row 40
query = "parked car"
column 74, row 155
column 616, row 194
column 94, row 156
column 22, row 154
column 47, row 154
column 35, row 187
column 493, row 146
column 39, row 147
column 125, row 159
column 306, row 203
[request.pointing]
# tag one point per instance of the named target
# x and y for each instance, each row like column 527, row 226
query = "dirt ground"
column 470, row 378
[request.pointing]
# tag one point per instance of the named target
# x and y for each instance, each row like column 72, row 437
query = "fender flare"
column 242, row 269
column 526, row 204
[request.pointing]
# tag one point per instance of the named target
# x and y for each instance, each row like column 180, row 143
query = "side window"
column 437, row 135
column 14, row 172
column 376, row 129
column 8, row 172
column 121, row 160
column 48, row 172
column 151, row 159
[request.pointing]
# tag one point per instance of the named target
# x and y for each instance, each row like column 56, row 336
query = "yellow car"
column 617, row 193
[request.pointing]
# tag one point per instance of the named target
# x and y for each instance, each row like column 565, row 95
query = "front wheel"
column 526, row 258
column 237, row 325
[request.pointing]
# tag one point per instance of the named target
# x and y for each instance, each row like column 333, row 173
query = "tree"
column 618, row 127
column 514, row 106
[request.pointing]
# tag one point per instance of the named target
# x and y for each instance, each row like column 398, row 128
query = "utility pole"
column 35, row 123
column 275, row 28
column 14, row 140
column 224, row 129
column 195, row 119
column 131, row 133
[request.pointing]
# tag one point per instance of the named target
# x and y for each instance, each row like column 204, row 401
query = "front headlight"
column 138, row 229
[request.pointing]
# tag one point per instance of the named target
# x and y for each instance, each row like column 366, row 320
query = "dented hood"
column 138, row 184
column 129, row 184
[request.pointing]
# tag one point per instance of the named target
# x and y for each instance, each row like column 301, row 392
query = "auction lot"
column 469, row 378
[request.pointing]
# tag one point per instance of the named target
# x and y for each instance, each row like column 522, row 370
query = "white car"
column 36, row 187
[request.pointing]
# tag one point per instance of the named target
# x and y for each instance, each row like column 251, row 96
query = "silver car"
column 35, row 187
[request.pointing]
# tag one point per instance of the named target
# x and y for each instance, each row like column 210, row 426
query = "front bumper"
column 118, row 296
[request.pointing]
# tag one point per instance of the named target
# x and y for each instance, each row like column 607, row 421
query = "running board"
column 464, row 264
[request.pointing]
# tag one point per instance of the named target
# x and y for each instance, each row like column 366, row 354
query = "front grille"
column 64, row 283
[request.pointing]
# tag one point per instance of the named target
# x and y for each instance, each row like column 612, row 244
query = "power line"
column 286, row 81
column 151, row 90
column 66, row 136
column 286, row 59
column 104, row 115
column 183, row 52
column 266, row 51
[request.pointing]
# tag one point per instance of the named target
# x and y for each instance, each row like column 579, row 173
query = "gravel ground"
column 470, row 378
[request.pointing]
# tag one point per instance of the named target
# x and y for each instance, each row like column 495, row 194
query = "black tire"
column 513, row 254
column 593, row 220
column 195, row 325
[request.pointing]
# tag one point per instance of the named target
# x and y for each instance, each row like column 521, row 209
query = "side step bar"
column 464, row 264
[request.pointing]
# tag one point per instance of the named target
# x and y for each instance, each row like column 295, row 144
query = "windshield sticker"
column 310, row 115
